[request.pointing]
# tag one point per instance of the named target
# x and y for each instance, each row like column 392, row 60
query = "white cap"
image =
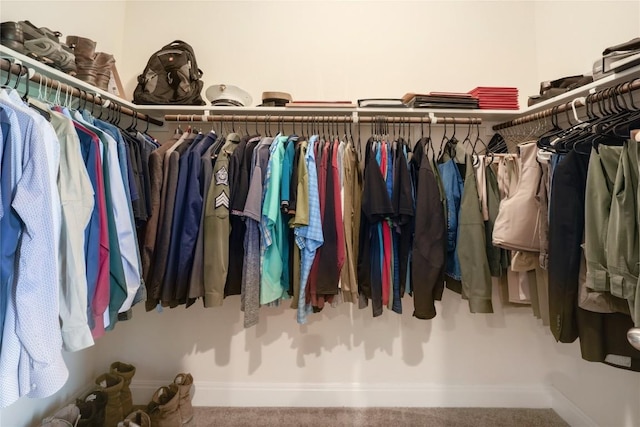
column 228, row 95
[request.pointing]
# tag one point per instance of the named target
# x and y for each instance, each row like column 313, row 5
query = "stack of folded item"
column 321, row 104
column 440, row 100
column 496, row 98
column 617, row 58
column 553, row 88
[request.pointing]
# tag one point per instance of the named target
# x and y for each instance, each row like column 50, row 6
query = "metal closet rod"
column 319, row 118
column 599, row 96
column 65, row 89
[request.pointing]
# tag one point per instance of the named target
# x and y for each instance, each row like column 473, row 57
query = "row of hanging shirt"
column 292, row 217
column 73, row 190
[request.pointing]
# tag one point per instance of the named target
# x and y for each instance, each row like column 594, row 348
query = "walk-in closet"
column 445, row 213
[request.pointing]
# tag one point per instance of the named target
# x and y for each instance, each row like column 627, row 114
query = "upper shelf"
column 605, row 82
column 62, row 77
column 159, row 111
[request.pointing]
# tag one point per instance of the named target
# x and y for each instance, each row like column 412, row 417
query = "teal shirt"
column 287, row 168
column 273, row 227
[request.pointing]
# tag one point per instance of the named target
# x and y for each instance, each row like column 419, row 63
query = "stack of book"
column 440, row 100
column 496, row 98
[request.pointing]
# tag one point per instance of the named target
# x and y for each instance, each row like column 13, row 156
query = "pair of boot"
column 92, row 67
column 170, row 405
column 41, row 43
column 116, row 385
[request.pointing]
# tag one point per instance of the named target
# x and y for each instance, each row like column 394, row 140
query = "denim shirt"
column 453, row 185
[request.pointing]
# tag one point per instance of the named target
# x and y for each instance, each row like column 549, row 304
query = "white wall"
column 610, row 397
column 341, row 50
column 571, row 35
column 347, row 50
column 343, row 346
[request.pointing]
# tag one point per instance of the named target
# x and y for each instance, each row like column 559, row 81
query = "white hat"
column 228, row 95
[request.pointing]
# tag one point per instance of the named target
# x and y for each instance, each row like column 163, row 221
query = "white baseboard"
column 356, row 395
column 568, row 411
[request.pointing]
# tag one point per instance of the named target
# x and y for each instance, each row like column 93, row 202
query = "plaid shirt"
column 309, row 237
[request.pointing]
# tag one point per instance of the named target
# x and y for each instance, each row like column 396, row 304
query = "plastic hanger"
column 6, row 83
column 134, row 123
column 631, row 121
column 18, row 78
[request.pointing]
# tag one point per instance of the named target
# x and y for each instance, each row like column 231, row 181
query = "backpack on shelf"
column 171, row 77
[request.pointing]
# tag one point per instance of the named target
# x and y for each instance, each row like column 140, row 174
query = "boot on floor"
column 164, row 408
column 137, row 418
column 92, row 409
column 184, row 383
column 112, row 386
column 127, row 372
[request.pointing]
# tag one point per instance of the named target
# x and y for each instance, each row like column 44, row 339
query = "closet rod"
column 319, row 118
column 18, row 69
column 602, row 95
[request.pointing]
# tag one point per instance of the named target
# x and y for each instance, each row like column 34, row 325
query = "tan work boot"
column 103, row 64
column 112, row 386
column 184, row 383
column 164, row 407
column 127, row 372
column 84, row 50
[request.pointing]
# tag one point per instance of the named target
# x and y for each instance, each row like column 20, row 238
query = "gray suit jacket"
column 163, row 230
column 156, row 178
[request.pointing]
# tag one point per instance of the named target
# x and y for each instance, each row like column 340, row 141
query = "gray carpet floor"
column 376, row 417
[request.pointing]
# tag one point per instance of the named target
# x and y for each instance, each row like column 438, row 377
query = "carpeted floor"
column 376, row 417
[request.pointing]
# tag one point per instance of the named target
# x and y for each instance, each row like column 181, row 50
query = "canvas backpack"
column 171, row 77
